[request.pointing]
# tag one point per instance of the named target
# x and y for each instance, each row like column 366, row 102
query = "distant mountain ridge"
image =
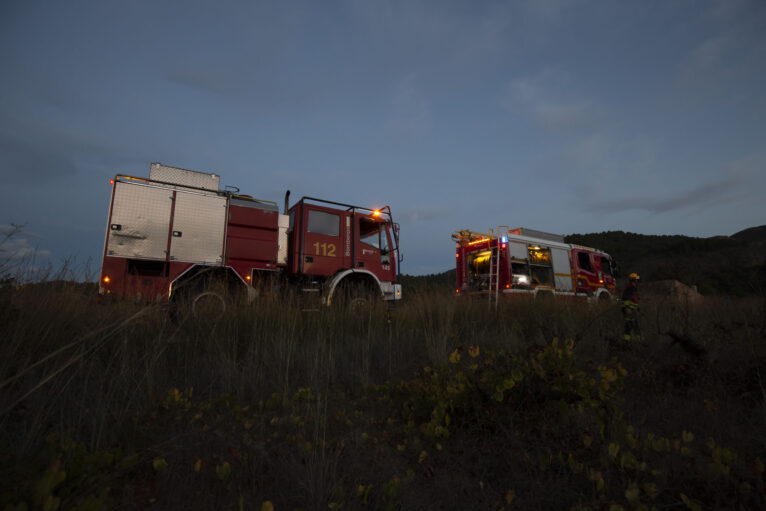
column 728, row 265
column 753, row 234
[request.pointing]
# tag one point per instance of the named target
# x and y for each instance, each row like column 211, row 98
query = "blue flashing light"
column 503, row 239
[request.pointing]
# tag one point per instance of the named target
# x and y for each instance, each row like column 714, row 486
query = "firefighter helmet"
column 634, row 276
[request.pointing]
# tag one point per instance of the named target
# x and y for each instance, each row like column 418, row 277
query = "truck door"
column 587, row 274
column 140, row 221
column 374, row 248
column 390, row 259
column 605, row 270
column 322, row 247
column 199, row 223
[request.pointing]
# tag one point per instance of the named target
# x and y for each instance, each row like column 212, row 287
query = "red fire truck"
column 173, row 235
column 520, row 261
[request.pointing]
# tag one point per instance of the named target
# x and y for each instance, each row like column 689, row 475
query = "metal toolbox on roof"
column 532, row 233
column 184, row 177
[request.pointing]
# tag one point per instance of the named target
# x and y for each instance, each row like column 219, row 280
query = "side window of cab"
column 583, row 261
column 321, row 222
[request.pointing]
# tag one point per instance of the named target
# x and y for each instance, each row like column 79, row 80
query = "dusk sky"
column 557, row 115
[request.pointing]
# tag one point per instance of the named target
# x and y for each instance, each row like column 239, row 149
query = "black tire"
column 353, row 297
column 197, row 306
column 208, row 304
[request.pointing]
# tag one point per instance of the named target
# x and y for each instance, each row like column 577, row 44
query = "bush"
column 436, row 403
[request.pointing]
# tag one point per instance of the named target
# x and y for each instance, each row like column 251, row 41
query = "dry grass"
column 298, row 405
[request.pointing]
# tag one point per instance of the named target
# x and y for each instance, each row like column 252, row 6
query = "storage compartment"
column 198, row 228
column 253, row 233
column 140, row 221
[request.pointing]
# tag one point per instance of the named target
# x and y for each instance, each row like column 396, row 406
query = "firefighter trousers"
column 630, row 323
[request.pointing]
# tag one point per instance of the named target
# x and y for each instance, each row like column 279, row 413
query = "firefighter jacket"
column 630, row 296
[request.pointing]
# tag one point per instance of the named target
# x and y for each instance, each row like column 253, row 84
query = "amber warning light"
column 106, row 279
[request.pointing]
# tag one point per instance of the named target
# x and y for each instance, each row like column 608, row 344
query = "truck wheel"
column 208, row 305
column 354, row 297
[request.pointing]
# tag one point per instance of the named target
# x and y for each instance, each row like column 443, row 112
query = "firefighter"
column 630, row 309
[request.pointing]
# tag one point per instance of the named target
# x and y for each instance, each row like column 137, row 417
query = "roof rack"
column 468, row 236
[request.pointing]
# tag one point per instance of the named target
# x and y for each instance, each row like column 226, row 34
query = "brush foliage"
column 436, row 404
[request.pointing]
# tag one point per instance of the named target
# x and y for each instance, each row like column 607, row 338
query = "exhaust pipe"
column 287, row 199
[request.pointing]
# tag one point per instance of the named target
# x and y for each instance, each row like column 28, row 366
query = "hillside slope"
column 753, row 234
column 719, row 265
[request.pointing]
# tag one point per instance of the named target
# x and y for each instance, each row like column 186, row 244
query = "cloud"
column 729, row 53
column 729, row 189
column 421, row 214
column 268, row 91
column 548, row 10
column 23, row 161
column 707, row 58
column 208, row 80
column 411, row 109
column 61, row 93
column 540, row 97
column 590, row 149
column 15, row 246
column 34, row 151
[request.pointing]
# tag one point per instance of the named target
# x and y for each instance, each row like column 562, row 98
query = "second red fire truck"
column 522, row 261
column 176, row 235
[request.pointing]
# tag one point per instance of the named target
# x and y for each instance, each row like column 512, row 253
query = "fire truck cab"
column 175, row 233
column 339, row 243
column 523, row 261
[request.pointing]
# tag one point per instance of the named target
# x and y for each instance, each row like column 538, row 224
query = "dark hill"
column 718, row 265
column 437, row 281
column 753, row 234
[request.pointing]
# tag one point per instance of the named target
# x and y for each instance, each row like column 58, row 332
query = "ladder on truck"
column 500, row 234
